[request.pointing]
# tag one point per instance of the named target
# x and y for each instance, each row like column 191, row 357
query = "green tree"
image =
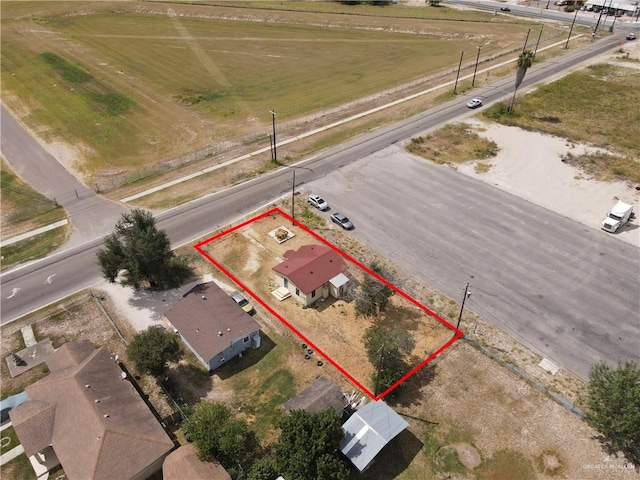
column 237, row 442
column 216, row 433
column 152, row 348
column 374, row 295
column 203, row 427
column 143, row 252
column 613, row 405
column 525, row 60
column 307, row 448
column 263, row 469
column 388, row 352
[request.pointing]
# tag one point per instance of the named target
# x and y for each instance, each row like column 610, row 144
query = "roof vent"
column 219, row 334
column 204, row 297
column 228, row 329
column 106, row 415
column 97, row 400
column 87, row 386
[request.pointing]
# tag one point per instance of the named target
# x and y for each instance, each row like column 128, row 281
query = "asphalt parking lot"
column 556, row 285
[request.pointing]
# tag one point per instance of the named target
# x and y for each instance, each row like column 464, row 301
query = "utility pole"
column 566, row 45
column 467, row 293
column 293, row 197
column 538, row 42
column 273, row 122
column 473, row 82
column 458, row 74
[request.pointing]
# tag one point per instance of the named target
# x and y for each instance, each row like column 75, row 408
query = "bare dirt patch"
column 250, row 254
column 82, row 317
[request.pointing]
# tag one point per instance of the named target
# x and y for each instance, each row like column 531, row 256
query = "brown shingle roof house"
column 213, row 325
column 312, row 272
column 92, row 418
column 183, row 464
column 318, row 396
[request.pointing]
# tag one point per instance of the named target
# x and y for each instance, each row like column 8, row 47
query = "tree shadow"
column 630, row 452
column 249, row 358
column 394, row 458
column 409, row 393
column 187, row 383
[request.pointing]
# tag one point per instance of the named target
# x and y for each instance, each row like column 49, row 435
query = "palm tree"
column 525, row 60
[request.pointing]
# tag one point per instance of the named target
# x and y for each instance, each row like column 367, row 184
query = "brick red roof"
column 311, row 266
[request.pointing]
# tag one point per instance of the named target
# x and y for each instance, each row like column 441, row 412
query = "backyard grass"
column 19, row 468
column 9, row 440
column 134, row 107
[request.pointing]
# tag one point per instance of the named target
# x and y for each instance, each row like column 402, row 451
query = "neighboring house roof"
column 368, row 430
column 210, row 320
column 311, row 266
column 183, row 463
column 318, row 396
column 96, row 422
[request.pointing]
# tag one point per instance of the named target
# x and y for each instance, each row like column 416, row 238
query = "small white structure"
column 367, row 432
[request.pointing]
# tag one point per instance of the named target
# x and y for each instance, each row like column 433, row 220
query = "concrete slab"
column 27, row 358
column 28, row 336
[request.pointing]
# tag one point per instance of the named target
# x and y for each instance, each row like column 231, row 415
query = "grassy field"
column 24, row 209
column 154, row 85
column 608, row 95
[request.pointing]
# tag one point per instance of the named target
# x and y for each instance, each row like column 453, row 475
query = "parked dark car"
column 505, row 9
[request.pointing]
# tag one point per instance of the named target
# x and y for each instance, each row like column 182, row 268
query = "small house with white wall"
column 311, row 273
column 213, row 326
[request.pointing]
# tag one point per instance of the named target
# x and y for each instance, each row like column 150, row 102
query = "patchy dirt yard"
column 473, row 419
column 331, row 325
column 86, row 316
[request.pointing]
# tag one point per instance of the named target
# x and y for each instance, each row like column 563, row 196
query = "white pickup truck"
column 620, row 214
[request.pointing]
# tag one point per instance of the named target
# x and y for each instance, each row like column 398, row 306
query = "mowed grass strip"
column 23, row 210
column 223, row 72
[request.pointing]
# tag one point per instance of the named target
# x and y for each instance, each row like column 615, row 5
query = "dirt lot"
column 250, row 254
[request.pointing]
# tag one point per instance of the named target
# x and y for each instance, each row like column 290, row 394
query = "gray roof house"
column 212, row 325
column 318, row 396
column 368, row 430
column 91, row 418
column 312, row 272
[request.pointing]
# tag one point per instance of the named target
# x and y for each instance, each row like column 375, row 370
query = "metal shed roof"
column 368, row 430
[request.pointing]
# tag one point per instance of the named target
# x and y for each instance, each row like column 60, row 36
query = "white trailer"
column 620, row 214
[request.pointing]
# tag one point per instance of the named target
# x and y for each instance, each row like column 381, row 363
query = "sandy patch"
column 529, row 166
column 143, row 308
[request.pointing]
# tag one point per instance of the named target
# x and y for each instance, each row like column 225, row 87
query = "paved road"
column 567, row 290
column 537, row 10
column 46, row 175
column 38, row 284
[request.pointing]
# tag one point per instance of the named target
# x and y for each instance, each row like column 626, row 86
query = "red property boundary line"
column 457, row 333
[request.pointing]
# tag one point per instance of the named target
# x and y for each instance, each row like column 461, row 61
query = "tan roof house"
column 312, row 272
column 182, row 464
column 213, row 326
column 91, row 418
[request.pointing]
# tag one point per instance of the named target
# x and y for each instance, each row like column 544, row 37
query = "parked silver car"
column 342, row 220
column 318, row 202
